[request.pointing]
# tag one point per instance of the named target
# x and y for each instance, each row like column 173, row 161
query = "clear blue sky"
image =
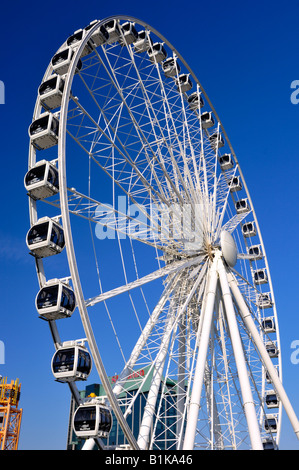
column 246, row 56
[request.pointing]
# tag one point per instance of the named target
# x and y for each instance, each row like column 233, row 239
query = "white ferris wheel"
column 134, row 185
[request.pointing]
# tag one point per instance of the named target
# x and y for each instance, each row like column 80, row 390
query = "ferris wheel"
column 160, row 267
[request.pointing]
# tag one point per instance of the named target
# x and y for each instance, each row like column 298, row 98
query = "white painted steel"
column 229, row 248
column 176, row 164
column 248, row 402
column 176, row 266
column 89, row 444
column 201, row 357
column 149, row 409
column 71, row 253
column 246, row 316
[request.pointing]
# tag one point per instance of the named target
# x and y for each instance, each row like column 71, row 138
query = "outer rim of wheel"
column 63, row 189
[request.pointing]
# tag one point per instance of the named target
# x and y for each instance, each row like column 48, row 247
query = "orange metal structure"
column 10, row 414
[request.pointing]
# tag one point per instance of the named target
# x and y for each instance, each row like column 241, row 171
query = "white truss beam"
column 248, row 402
column 247, row 318
column 207, row 314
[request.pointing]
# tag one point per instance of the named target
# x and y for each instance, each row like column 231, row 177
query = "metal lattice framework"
column 148, row 185
column 10, row 414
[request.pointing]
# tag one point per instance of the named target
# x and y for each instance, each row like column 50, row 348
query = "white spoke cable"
column 152, row 321
column 174, row 266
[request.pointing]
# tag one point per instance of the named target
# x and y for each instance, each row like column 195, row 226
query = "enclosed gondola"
column 55, row 300
column 71, row 362
column 45, row 238
column 157, row 52
column 207, row 120
column 272, row 349
column 268, row 444
column 50, row 92
column 260, row 276
column 129, row 33
column 255, row 252
column 43, row 132
column 171, row 67
column 235, row 184
column 242, row 206
column 75, row 39
column 216, row 140
column 62, row 61
column 100, row 36
column 184, row 83
column 112, row 28
column 248, row 229
column 92, row 419
column 271, row 423
column 264, row 300
column 272, row 400
column 268, row 325
column 226, row 162
column 195, row 101
column 143, row 42
column 41, row 181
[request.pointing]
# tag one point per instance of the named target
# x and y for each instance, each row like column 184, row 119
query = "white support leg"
column 181, row 393
column 88, row 444
column 248, row 403
column 201, row 358
column 246, row 315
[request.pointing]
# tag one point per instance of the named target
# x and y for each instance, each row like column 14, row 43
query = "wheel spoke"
column 175, row 266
